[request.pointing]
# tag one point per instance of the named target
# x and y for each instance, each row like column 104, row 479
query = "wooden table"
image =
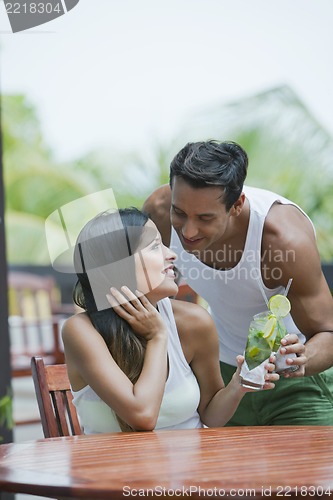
column 238, row 462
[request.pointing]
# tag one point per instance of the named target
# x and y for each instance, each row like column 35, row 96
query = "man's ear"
column 237, row 207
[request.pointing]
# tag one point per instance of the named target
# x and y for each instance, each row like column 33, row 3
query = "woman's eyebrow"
column 158, row 239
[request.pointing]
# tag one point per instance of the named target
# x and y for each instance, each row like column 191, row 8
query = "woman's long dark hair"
column 102, row 258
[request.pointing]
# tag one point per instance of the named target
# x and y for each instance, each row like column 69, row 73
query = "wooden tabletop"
column 273, row 462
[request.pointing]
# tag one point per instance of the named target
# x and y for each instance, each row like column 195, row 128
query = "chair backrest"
column 54, row 398
column 33, row 321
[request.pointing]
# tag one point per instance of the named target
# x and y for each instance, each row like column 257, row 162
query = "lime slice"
column 253, row 351
column 279, row 305
column 269, row 327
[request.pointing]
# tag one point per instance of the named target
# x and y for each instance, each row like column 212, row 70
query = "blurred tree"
column 22, row 138
column 36, row 186
column 289, row 151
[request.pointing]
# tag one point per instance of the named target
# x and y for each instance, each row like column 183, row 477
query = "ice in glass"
column 265, row 333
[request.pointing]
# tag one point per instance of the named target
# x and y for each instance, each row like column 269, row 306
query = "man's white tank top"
column 181, row 396
column 234, row 296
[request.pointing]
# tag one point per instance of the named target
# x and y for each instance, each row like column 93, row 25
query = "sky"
column 129, row 73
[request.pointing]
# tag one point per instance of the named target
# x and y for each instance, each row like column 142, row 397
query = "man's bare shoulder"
column 287, row 226
column 157, row 206
column 288, row 245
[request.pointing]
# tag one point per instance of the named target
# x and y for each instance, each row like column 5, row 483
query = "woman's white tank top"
column 181, row 396
column 235, row 295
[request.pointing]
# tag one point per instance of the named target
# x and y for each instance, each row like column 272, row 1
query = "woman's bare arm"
column 90, row 363
column 200, row 344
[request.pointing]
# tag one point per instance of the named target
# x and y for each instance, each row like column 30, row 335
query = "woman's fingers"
column 131, row 298
column 240, row 360
column 118, row 308
column 136, row 309
column 144, row 301
column 126, row 299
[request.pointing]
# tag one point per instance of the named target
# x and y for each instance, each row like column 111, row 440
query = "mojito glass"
column 265, row 333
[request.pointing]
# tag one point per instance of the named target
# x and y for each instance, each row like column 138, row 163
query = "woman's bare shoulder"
column 80, row 318
column 195, row 327
column 77, row 324
column 189, row 315
column 194, row 323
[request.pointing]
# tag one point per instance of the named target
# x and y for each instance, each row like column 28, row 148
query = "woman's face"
column 155, row 269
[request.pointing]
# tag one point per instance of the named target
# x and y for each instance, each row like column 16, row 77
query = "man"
column 236, row 243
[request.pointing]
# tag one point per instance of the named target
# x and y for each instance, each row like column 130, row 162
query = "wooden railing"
column 64, row 281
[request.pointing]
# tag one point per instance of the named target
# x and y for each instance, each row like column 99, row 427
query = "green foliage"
column 289, row 153
column 36, row 186
column 6, row 412
column 25, row 238
column 125, row 173
column 23, row 144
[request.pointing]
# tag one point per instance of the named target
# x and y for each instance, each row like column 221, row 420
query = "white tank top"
column 234, row 295
column 181, row 396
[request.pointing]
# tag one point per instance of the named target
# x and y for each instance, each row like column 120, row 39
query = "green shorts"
column 299, row 401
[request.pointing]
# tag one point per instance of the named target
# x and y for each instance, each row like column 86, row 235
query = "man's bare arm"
column 312, row 305
column 312, row 311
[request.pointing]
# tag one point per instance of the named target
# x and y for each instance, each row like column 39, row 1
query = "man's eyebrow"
column 209, row 214
column 175, row 206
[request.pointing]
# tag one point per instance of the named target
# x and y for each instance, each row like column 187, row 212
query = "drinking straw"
column 287, row 287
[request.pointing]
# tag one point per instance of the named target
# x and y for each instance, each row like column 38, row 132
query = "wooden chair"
column 54, row 398
column 34, row 316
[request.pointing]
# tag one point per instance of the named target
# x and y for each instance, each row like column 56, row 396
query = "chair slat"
column 72, row 414
column 54, row 398
column 60, row 411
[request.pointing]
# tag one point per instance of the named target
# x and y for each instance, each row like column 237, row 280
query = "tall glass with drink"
column 265, row 333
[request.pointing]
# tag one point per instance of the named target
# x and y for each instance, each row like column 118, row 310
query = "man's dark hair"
column 212, row 163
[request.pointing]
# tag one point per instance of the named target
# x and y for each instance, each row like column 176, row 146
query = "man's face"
column 198, row 215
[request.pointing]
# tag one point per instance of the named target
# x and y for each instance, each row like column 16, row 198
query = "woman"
column 147, row 362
